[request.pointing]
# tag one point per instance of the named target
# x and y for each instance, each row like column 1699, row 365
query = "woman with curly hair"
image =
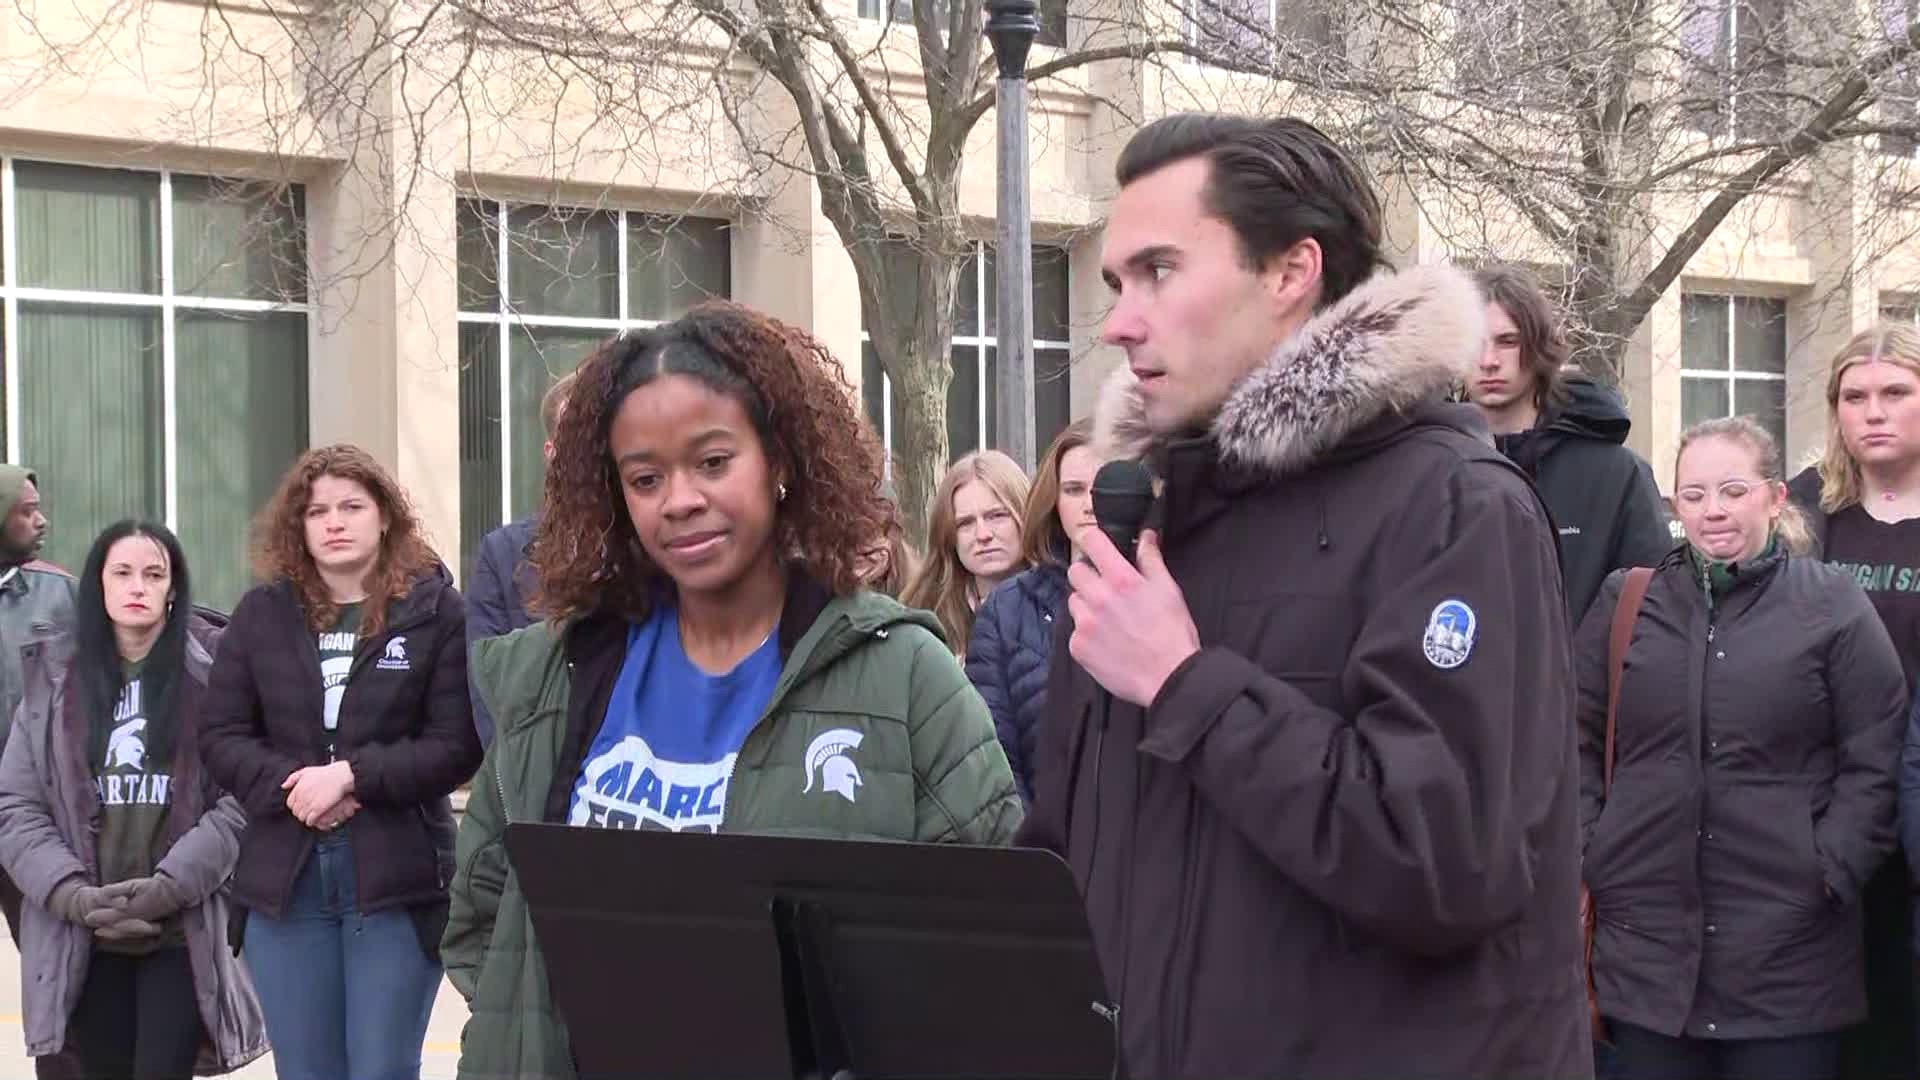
column 974, row 541
column 711, row 660
column 337, row 713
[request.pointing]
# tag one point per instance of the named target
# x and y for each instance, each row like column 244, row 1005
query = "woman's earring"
column 780, row 492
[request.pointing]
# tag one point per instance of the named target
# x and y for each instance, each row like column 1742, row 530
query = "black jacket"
column 1007, row 660
column 1343, row 841
column 405, row 728
column 497, row 592
column 1753, row 796
column 1605, row 504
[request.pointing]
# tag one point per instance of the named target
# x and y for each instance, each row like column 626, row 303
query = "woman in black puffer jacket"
column 1013, row 632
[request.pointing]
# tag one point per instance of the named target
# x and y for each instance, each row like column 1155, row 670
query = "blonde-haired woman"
column 1863, row 504
column 974, row 536
column 1759, row 718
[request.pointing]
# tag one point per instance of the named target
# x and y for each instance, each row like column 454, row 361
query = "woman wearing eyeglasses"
column 1759, row 726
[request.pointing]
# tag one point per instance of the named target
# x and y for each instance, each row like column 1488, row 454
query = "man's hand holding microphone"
column 1131, row 626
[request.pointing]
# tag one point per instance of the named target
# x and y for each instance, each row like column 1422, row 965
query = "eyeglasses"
column 1731, row 493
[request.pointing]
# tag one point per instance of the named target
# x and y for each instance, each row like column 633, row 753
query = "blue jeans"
column 303, row 965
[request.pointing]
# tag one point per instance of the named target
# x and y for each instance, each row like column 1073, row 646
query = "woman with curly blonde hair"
column 711, row 659
column 337, row 714
column 975, row 535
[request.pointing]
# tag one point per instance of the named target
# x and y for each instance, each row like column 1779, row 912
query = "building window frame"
column 505, row 318
column 1900, row 307
column 1713, row 40
column 1733, row 374
column 979, row 341
column 1900, row 100
column 169, row 303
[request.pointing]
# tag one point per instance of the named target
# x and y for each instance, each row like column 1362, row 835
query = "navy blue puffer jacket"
column 1008, row 656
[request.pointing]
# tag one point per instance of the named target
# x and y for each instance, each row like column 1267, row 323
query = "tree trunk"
column 909, row 300
column 920, row 440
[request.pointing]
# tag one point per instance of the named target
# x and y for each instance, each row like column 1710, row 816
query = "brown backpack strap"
column 1633, row 593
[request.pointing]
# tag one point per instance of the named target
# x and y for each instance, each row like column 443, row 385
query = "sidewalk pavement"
column 441, row 1056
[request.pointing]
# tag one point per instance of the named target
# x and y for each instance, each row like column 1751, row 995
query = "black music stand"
column 728, row 957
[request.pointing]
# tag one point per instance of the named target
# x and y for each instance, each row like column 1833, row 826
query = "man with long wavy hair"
column 1568, row 433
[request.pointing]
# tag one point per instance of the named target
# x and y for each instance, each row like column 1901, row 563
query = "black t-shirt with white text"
column 134, row 790
column 1885, row 559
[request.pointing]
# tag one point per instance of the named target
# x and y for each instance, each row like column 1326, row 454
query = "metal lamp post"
column 1011, row 27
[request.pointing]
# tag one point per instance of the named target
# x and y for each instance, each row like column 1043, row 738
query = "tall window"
column 1900, row 96
column 541, row 287
column 154, row 335
column 1900, row 307
column 1259, row 32
column 1735, row 56
column 972, row 396
column 1734, row 360
column 1514, row 50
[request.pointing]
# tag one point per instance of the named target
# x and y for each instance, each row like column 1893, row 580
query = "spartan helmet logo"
column 127, row 747
column 397, row 649
column 827, row 755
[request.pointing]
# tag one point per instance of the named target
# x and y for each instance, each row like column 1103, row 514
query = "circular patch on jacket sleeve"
column 1449, row 637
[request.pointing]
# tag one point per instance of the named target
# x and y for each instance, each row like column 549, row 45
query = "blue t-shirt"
column 665, row 750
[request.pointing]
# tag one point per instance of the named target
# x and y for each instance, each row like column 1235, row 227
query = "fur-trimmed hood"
column 1396, row 341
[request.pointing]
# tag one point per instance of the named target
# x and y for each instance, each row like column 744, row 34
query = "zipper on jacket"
column 331, row 739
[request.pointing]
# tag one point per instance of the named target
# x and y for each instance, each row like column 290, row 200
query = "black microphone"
column 1122, row 495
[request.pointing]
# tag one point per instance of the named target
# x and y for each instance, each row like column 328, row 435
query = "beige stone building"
column 197, row 280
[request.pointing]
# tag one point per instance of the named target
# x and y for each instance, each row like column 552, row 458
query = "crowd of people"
column 1406, row 660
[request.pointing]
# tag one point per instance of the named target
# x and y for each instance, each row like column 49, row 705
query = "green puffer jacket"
column 930, row 769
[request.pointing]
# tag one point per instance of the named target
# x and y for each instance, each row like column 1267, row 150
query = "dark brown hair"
column 1275, row 182
column 801, row 406
column 1043, row 540
column 1543, row 346
column 280, row 537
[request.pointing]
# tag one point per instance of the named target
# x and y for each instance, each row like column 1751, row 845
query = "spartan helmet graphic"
column 126, row 747
column 827, row 755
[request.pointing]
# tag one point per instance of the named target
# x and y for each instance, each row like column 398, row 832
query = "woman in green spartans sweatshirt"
column 710, row 660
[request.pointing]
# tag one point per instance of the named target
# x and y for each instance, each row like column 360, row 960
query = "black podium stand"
column 681, row 957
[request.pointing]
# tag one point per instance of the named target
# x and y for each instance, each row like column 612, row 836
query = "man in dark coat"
column 1569, row 434
column 502, row 580
column 36, row 603
column 1313, row 761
